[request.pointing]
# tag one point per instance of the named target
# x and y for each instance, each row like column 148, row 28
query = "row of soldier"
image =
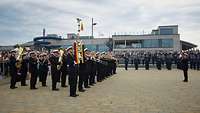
column 161, row 59
column 95, row 68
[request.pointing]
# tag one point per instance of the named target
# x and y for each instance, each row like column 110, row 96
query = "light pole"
column 93, row 24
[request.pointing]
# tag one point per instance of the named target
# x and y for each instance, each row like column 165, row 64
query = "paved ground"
column 127, row 92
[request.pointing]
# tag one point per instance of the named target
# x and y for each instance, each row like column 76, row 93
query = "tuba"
column 20, row 51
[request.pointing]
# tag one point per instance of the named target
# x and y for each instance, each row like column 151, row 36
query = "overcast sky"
column 22, row 20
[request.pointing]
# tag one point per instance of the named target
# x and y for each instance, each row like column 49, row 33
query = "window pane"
column 120, row 44
column 166, row 31
column 167, row 43
column 103, row 47
column 91, row 47
column 154, row 43
column 133, row 43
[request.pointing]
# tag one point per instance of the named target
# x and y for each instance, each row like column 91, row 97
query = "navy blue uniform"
column 64, row 71
column 126, row 60
column 54, row 71
column 43, row 71
column 23, row 71
column 33, row 69
column 72, row 74
column 13, row 71
column 184, row 63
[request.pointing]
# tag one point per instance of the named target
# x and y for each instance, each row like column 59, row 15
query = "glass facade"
column 91, row 47
column 120, row 44
column 65, row 46
column 146, row 43
column 133, row 43
column 99, row 48
column 165, row 31
column 102, row 48
column 154, row 43
column 167, row 43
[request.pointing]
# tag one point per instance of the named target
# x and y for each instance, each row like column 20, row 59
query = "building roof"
column 187, row 45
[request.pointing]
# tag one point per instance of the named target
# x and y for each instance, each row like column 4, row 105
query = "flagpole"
column 78, row 34
column 93, row 24
column 92, row 27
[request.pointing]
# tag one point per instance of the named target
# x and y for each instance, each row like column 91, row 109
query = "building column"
column 125, row 43
column 113, row 44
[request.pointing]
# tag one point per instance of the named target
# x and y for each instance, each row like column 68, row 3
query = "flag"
column 81, row 26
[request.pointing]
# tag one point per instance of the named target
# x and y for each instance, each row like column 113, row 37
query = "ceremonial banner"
column 78, row 52
column 75, row 52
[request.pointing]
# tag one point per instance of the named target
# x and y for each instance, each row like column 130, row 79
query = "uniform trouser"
column 147, row 66
column 198, row 65
column 23, row 78
column 185, row 75
column 43, row 78
column 86, row 78
column 73, row 84
column 110, row 69
column 114, row 70
column 126, row 66
column 103, row 72
column 168, row 66
column 98, row 77
column 159, row 66
column 195, row 65
column 136, row 66
column 59, row 77
column 54, row 77
column 80, row 81
column 63, row 78
column 33, row 80
column 13, row 80
column 191, row 65
column 92, row 78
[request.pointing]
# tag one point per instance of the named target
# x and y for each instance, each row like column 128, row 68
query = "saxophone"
column 61, row 52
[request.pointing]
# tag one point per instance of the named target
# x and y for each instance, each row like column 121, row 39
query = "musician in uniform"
column 198, row 60
column 13, row 69
column 158, row 62
column 64, row 69
column 87, row 68
column 136, row 62
column 24, row 69
column 54, row 70
column 82, row 72
column 43, row 69
column 126, row 60
column 33, row 69
column 114, row 66
column 103, row 66
column 72, row 72
column 146, row 61
column 98, row 63
column 168, row 61
column 93, row 69
column 184, row 65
